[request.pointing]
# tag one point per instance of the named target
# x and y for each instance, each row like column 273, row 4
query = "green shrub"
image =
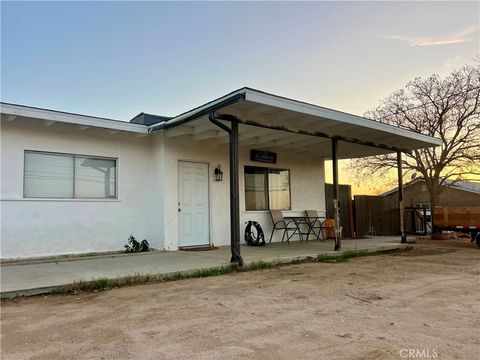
column 133, row 246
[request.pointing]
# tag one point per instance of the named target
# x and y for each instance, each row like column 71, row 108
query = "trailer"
column 459, row 219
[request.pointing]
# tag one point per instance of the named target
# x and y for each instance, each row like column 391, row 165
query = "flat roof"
column 258, row 108
column 361, row 136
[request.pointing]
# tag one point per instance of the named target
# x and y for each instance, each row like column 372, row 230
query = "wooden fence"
column 367, row 214
column 376, row 215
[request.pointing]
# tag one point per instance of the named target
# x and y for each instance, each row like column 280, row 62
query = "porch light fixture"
column 218, row 173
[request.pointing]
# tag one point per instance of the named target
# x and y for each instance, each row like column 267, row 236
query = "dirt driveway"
column 426, row 300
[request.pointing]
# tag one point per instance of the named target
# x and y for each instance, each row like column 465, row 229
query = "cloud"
column 459, row 61
column 454, row 62
column 456, row 38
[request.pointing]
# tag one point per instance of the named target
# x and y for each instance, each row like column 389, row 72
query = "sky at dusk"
column 116, row 59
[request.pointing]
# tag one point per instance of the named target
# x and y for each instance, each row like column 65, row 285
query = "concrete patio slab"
column 37, row 278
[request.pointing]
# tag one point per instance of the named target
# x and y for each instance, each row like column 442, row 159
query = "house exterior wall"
column 41, row 227
column 417, row 193
column 147, row 204
column 307, row 187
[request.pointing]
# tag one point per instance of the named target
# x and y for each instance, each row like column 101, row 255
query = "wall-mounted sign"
column 263, row 156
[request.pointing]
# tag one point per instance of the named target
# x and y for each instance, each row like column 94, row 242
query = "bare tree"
column 447, row 108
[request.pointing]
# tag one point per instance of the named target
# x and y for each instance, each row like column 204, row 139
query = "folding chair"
column 279, row 223
column 315, row 224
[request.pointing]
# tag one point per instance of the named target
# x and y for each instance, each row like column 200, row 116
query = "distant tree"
column 447, row 108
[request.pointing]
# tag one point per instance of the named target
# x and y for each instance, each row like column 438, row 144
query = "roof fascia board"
column 50, row 115
column 207, row 108
column 273, row 100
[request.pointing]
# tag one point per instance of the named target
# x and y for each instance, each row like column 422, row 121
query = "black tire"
column 477, row 240
column 254, row 237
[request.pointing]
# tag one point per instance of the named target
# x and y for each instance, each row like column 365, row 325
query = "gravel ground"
column 377, row 307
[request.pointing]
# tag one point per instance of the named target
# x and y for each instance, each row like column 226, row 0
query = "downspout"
column 403, row 236
column 336, row 209
column 234, row 187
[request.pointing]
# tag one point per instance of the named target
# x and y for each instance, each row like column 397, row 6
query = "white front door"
column 193, row 197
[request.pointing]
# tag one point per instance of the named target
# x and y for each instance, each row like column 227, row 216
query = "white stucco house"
column 72, row 183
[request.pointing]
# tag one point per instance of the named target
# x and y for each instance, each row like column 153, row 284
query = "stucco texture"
column 147, row 204
column 39, row 227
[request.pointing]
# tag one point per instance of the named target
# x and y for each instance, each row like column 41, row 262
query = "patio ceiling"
column 269, row 122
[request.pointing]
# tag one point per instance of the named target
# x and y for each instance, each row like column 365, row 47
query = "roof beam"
column 317, row 134
column 420, row 140
column 276, row 119
column 290, row 151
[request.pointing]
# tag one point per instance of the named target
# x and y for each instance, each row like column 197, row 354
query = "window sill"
column 61, row 200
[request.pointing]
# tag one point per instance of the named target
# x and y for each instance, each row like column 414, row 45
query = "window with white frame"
column 69, row 176
column 267, row 188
